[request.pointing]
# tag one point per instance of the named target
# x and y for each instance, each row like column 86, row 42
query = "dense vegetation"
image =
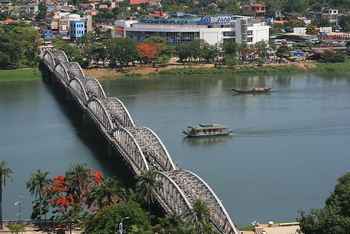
column 18, row 46
column 86, row 198
column 335, row 216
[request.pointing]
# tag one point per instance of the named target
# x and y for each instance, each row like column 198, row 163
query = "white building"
column 214, row 30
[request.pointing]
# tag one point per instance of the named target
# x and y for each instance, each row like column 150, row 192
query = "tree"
column 261, row 48
column 208, row 52
column 122, row 51
column 146, row 185
column 107, row 219
column 42, row 10
column 18, row 46
column 148, row 51
column 78, row 180
column 174, row 224
column 37, row 184
column 108, row 193
column 201, row 218
column 16, row 228
column 282, row 51
column 344, row 22
column 5, row 175
column 334, row 217
column 330, row 56
column 189, row 51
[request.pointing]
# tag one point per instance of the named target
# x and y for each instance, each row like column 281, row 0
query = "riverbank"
column 145, row 72
column 179, row 70
column 21, row 74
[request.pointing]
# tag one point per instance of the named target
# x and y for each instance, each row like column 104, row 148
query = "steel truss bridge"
column 139, row 146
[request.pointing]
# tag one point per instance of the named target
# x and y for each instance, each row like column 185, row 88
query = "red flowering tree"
column 148, row 51
column 79, row 192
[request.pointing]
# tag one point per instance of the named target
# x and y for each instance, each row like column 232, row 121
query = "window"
column 249, row 39
column 249, row 32
column 229, row 34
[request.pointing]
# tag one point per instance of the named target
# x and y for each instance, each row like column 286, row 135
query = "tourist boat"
column 206, row 130
column 252, row 91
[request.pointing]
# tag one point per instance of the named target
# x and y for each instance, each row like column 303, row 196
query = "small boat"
column 252, row 91
column 206, row 130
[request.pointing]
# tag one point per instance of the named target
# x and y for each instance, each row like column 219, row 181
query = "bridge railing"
column 140, row 146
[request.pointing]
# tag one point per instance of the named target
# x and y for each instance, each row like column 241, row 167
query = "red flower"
column 63, row 201
column 58, row 184
column 98, row 177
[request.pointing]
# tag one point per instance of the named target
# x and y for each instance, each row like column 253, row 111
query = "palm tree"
column 36, row 186
column 146, row 185
column 5, row 174
column 106, row 194
column 201, row 217
column 79, row 178
column 37, row 183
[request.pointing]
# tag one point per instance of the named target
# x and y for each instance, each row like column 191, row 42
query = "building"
column 212, row 29
column 254, row 9
column 331, row 15
column 6, row 6
column 282, row 228
column 62, row 21
column 77, row 28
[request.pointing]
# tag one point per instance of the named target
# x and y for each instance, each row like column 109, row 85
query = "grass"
column 334, row 68
column 21, row 74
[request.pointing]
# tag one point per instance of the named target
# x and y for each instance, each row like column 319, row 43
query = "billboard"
column 218, row 20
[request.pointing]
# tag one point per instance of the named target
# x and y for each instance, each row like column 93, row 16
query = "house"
column 254, row 9
column 330, row 14
column 6, row 5
column 77, row 28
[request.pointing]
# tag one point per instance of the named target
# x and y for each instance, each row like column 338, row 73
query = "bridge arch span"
column 62, row 70
column 119, row 113
column 170, row 195
column 196, row 188
column 131, row 150
column 79, row 89
column 60, row 56
column 100, row 112
column 152, row 147
column 49, row 58
column 94, row 89
column 75, row 71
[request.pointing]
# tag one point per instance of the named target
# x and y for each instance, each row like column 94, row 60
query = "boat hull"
column 207, row 135
column 252, row 91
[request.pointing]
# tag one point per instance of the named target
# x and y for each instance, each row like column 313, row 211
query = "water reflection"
column 206, row 141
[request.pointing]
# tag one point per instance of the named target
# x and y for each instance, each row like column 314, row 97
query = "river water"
column 288, row 149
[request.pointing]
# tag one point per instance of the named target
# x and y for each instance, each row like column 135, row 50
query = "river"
column 288, row 149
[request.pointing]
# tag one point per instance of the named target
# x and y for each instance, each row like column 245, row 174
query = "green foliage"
column 106, row 220
column 208, row 52
column 16, row 228
column 18, row 46
column 334, row 217
column 122, row 52
column 42, row 10
column 146, row 185
column 283, row 52
column 230, row 48
column 5, row 175
column 330, row 56
column 344, row 22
